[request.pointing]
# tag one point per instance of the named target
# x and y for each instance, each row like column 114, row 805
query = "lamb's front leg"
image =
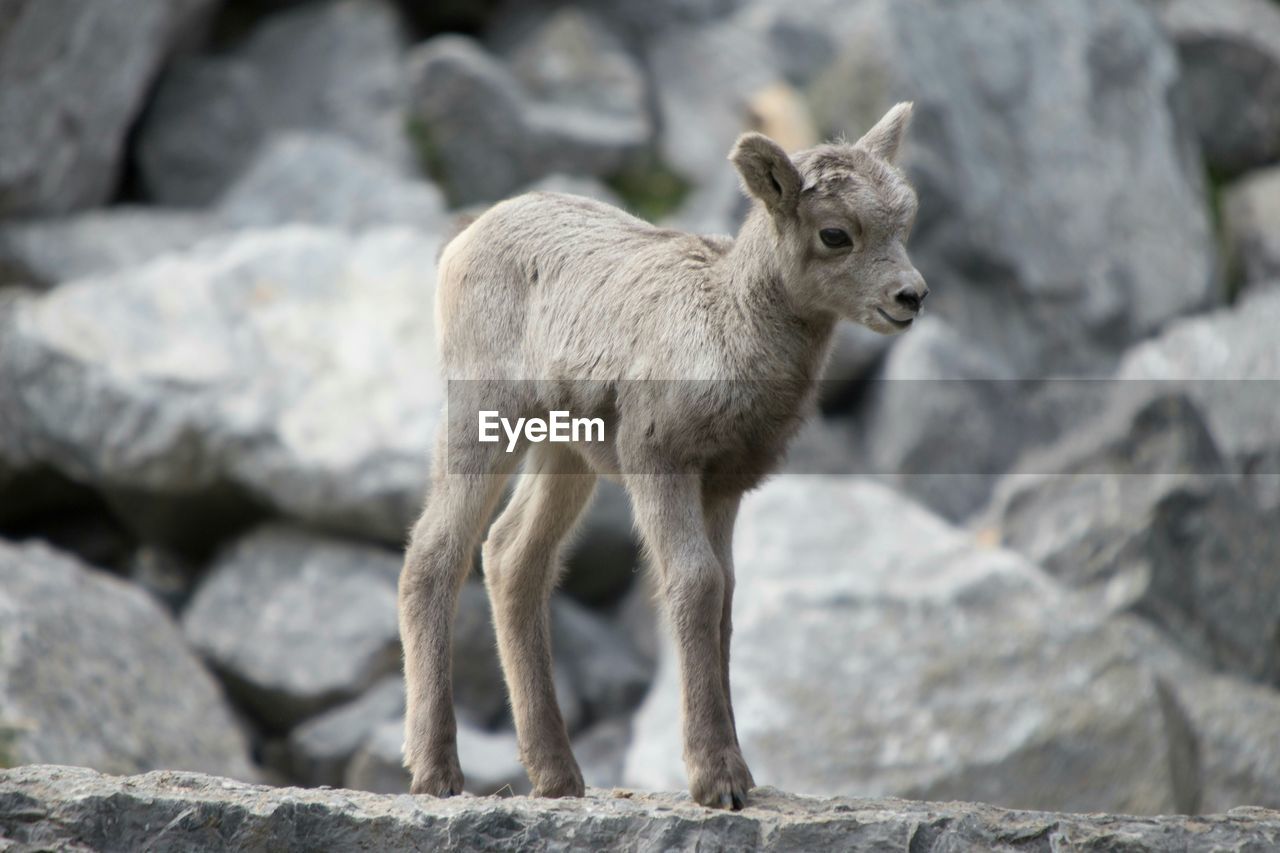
column 669, row 513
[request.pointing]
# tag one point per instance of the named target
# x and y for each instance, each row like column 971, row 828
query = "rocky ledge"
column 71, row 808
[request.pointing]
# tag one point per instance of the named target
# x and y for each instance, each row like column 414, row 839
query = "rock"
column 603, row 558
column 65, row 806
column 1063, row 214
column 877, row 650
column 327, row 180
column 297, row 623
column 46, row 252
column 93, row 672
column 489, row 762
column 1228, row 363
column 575, row 185
column 1142, row 510
column 601, row 752
column 320, row 748
column 483, row 137
column 1230, row 54
column 73, row 78
column 292, row 370
column 855, row 351
column 606, row 671
column 1251, row 213
column 940, row 419
column 332, row 66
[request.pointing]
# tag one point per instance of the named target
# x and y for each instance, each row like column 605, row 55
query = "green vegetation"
column 649, row 187
column 1216, row 185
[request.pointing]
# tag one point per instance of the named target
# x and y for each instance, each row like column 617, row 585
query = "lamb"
column 701, row 355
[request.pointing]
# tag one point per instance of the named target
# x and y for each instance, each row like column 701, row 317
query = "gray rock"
column 575, row 185
column 93, row 672
column 320, row 749
column 878, row 650
column 601, row 752
column 66, row 806
column 1230, row 52
column 1229, row 364
column 46, row 252
column 323, row 179
column 489, row 762
column 73, row 77
column 607, row 673
column 296, row 623
column 293, row 370
column 940, row 419
column 1141, row 510
column 855, row 351
column 1251, row 214
column 1063, row 213
column 332, row 66
column 482, row 136
column 603, row 559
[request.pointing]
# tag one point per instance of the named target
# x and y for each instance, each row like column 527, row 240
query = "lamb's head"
column 841, row 214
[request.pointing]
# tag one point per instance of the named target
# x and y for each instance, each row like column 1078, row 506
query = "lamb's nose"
column 910, row 298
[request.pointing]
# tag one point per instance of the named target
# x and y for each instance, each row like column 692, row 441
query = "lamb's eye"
column 834, row 238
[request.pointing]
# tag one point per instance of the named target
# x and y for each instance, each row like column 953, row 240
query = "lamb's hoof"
column 438, row 782
column 563, row 781
column 721, row 780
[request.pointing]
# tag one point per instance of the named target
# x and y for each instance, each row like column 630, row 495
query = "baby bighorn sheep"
column 553, row 302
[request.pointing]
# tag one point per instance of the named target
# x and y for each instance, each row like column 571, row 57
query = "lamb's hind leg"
column 464, row 491
column 521, row 563
column 669, row 512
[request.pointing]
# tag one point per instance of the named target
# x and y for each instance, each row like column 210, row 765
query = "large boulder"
column 332, row 66
column 1142, row 510
column 319, row 750
column 74, row 808
column 1251, row 219
column 482, row 135
column 1230, row 52
column 489, row 762
column 296, row 623
column 288, row 369
column 93, row 672
column 878, row 650
column 1229, row 364
column 72, row 78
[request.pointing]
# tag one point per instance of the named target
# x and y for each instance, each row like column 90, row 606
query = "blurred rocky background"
column 1029, row 554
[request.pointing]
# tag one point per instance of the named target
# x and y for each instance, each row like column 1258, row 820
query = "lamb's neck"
column 775, row 334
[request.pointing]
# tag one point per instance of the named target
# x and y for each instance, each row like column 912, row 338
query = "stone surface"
column 607, row 673
column 1063, row 213
column 72, row 78
column 1230, row 52
column 489, row 762
column 62, row 807
column 482, row 136
column 877, row 650
column 320, row 748
column 1142, row 510
column 1229, row 364
column 332, row 66
column 93, row 672
column 296, row 623
column 1251, row 220
column 292, row 369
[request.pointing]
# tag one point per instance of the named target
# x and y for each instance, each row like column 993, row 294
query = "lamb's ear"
column 884, row 139
column 767, row 173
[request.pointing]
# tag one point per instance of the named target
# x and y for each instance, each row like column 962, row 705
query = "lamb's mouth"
column 897, row 324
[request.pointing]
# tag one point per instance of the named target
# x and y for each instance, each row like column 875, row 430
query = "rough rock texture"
column 1228, row 362
column 320, row 748
column 332, row 66
column 72, row 77
column 297, row 623
column 1251, row 214
column 878, row 650
column 59, row 807
column 482, row 136
column 1230, row 52
column 1062, row 216
column 93, row 671
column 1141, row 509
column 292, row 368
